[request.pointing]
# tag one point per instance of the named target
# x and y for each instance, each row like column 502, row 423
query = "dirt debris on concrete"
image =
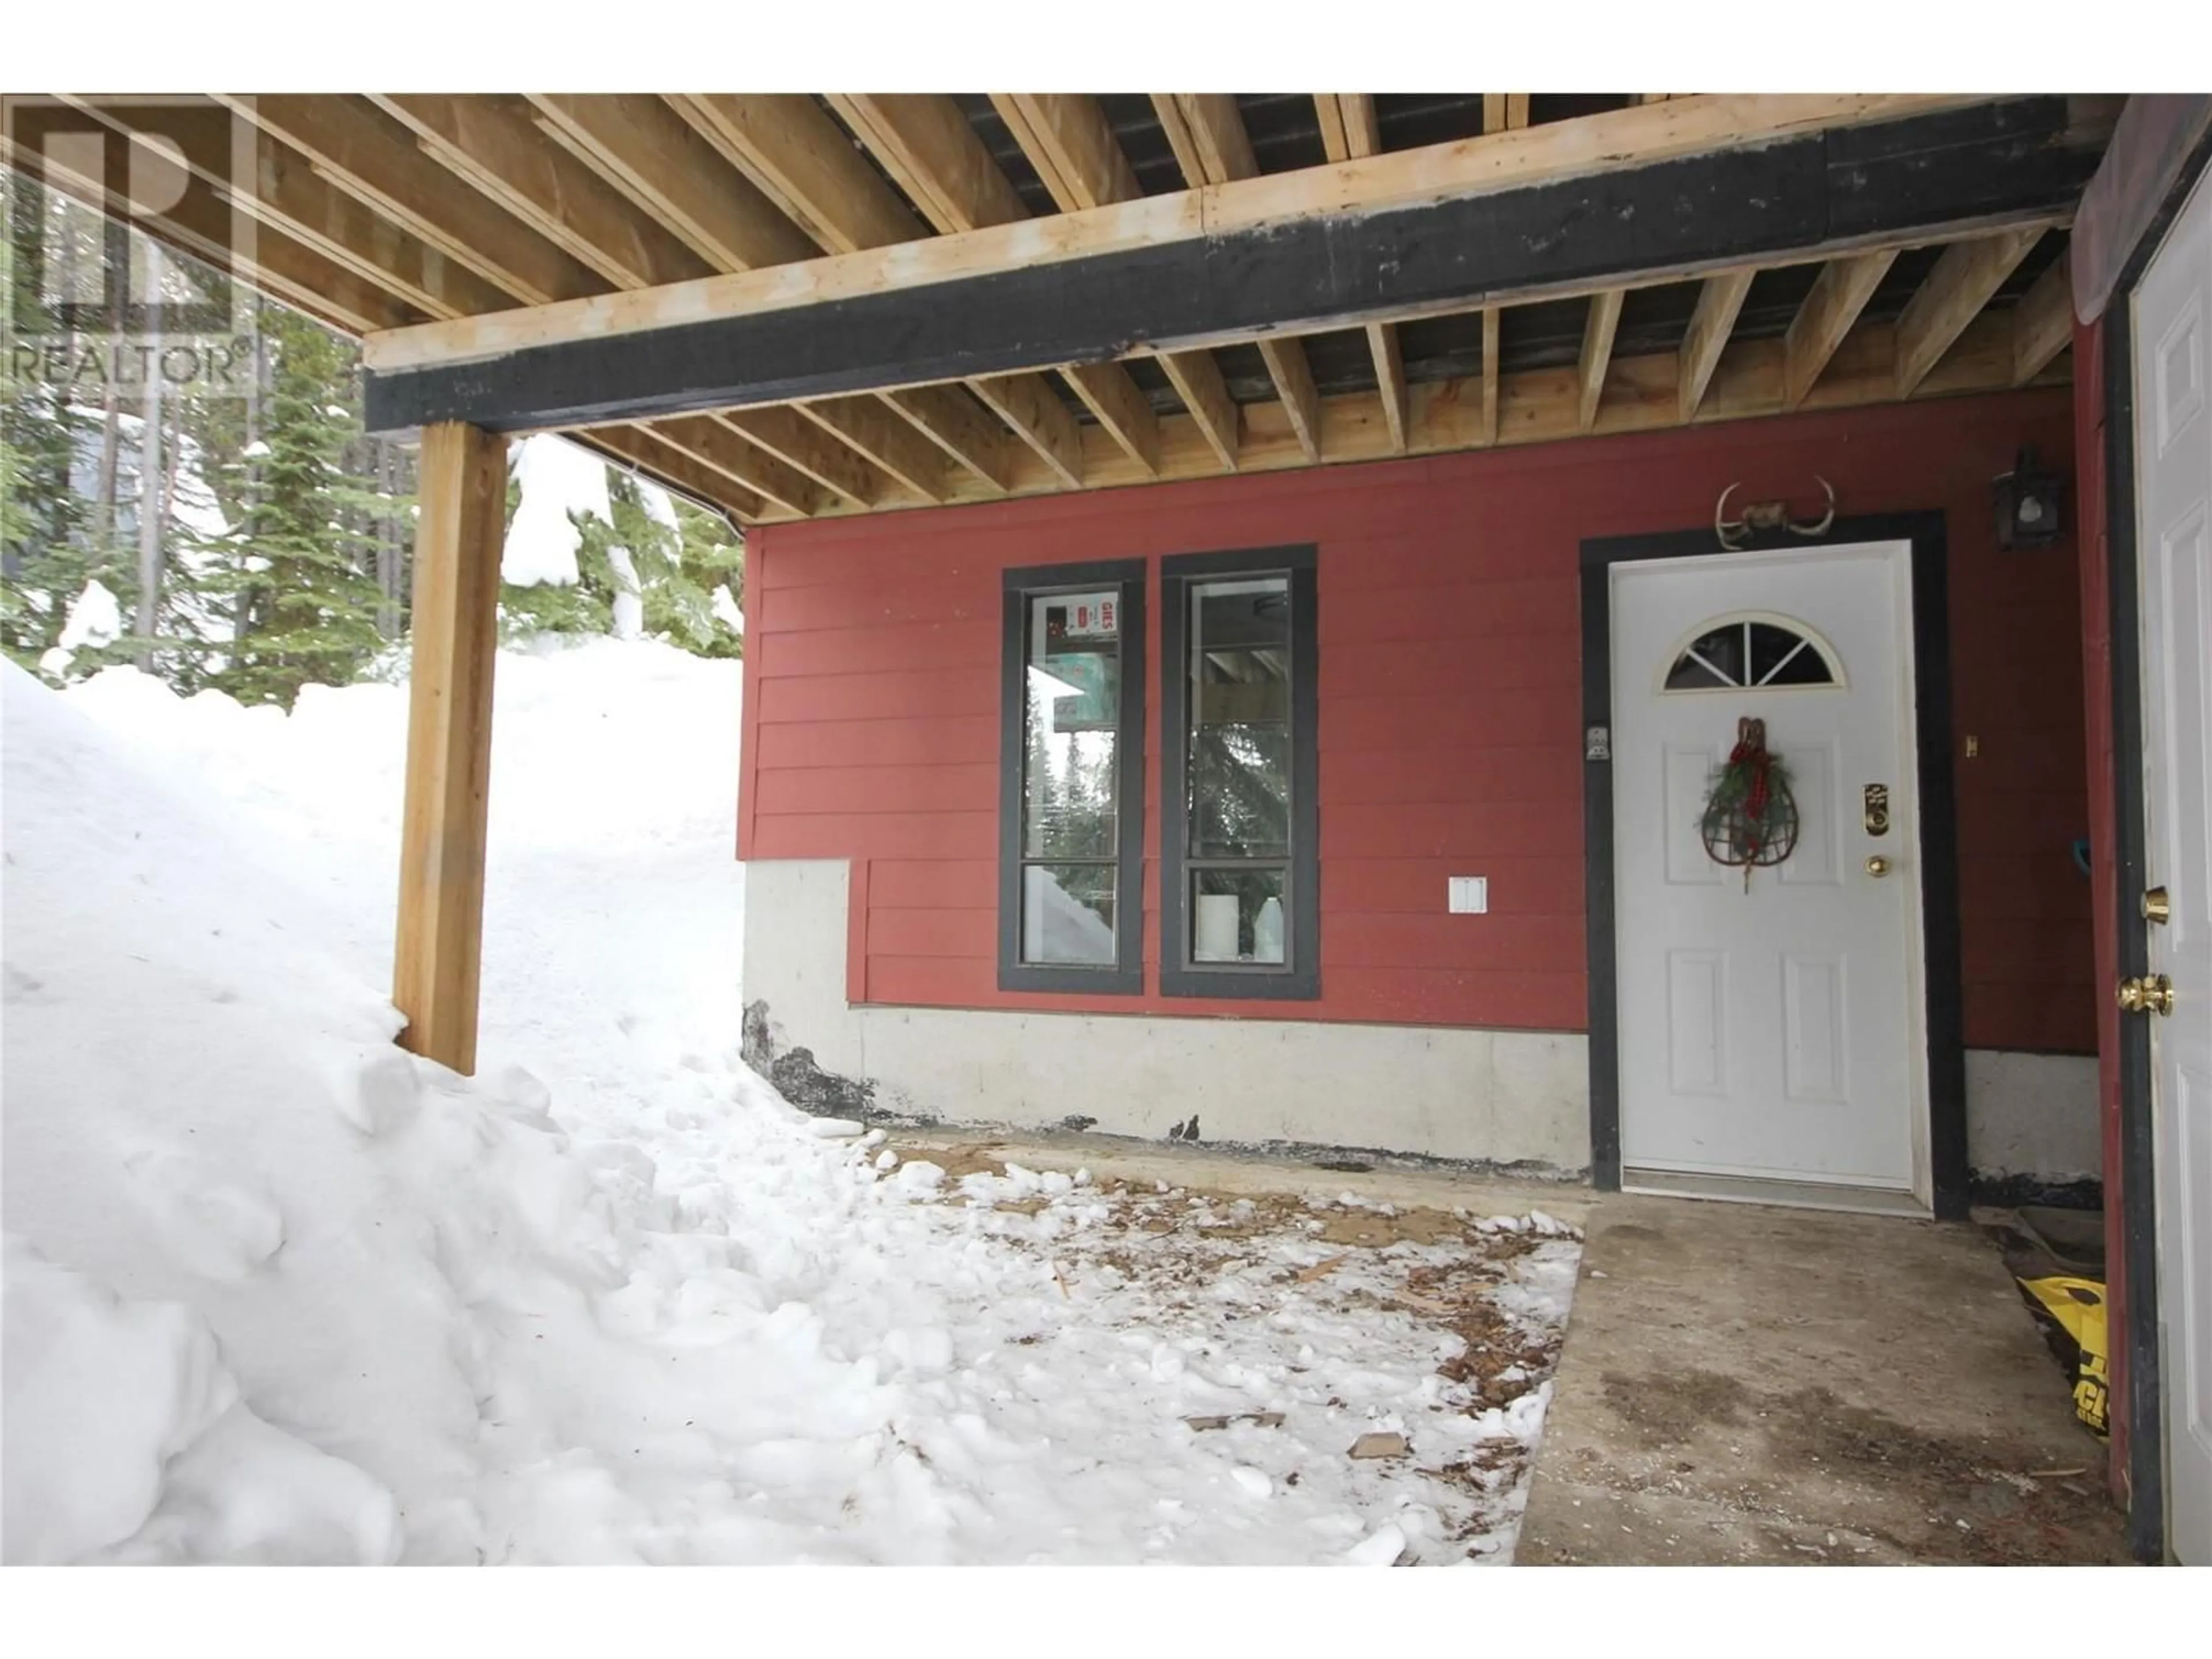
column 1759, row 1385
column 1978, row 1503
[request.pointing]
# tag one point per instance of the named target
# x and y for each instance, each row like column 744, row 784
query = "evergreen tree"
column 76, row 483
column 667, row 554
column 308, row 607
column 205, row 541
column 14, row 522
column 583, row 606
column 47, row 552
column 284, row 531
column 711, row 557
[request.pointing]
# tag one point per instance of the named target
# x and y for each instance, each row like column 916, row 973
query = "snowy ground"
column 275, row 1290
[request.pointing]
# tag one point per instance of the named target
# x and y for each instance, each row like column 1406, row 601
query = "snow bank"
column 278, row 1290
column 115, row 1390
column 224, row 1184
column 132, row 1444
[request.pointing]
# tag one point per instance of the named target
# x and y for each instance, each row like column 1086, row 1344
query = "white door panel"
column 2173, row 484
column 1815, row 774
column 1772, row 1033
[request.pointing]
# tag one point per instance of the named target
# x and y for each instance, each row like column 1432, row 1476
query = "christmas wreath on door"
column 1750, row 816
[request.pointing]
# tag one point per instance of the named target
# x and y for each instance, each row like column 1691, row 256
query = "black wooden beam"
column 1919, row 177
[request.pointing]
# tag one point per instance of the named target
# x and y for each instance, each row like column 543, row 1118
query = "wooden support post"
column 462, row 525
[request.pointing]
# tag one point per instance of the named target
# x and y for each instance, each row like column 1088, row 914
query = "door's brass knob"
column 1877, row 866
column 2156, row 906
column 2149, row 995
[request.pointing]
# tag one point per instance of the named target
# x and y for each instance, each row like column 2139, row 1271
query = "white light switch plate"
column 1470, row 894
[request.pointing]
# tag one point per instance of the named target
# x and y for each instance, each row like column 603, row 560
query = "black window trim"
column 1017, row 588
column 1301, row 980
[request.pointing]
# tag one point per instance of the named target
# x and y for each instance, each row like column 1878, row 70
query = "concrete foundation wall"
column 2033, row 1116
column 1502, row 1097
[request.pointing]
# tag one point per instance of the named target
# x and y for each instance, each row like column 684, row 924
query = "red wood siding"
column 1450, row 719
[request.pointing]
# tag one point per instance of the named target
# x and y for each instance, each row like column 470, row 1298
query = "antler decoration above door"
column 1735, row 534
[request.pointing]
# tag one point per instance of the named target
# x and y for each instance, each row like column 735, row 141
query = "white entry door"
column 1770, row 1033
column 2173, row 483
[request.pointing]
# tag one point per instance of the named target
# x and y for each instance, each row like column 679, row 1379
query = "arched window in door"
column 1752, row 650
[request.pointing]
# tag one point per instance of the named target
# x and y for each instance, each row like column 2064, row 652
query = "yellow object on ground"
column 2077, row 1307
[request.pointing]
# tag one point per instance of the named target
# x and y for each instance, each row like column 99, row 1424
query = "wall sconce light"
column 2027, row 505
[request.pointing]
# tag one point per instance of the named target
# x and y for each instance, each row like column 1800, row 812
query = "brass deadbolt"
column 2148, row 994
column 1877, row 866
column 2156, row 906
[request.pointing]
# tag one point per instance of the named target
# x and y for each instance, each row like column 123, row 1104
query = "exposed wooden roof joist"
column 801, row 443
column 1827, row 315
column 1024, row 402
column 1687, row 187
column 794, row 151
column 885, row 435
column 1597, row 354
column 960, row 426
column 853, row 215
column 1068, row 140
column 659, row 161
column 638, row 447
column 2043, row 322
column 1207, row 134
column 721, row 446
column 1718, row 303
column 1349, row 129
column 1216, row 149
column 492, row 142
column 795, row 237
column 359, row 149
column 291, row 270
column 1535, row 407
column 1501, row 112
column 795, row 155
column 1953, row 296
column 288, row 195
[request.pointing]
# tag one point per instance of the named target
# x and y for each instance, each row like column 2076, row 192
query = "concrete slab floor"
column 1743, row 1384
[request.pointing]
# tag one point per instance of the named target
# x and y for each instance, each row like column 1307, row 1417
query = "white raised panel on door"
column 2177, row 380
column 2192, row 1297
column 1689, row 777
column 1815, row 1042
column 2174, row 491
column 1815, row 770
column 1696, row 1009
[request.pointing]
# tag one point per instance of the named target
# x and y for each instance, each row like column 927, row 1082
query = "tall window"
column 1239, row 822
column 1071, row 912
